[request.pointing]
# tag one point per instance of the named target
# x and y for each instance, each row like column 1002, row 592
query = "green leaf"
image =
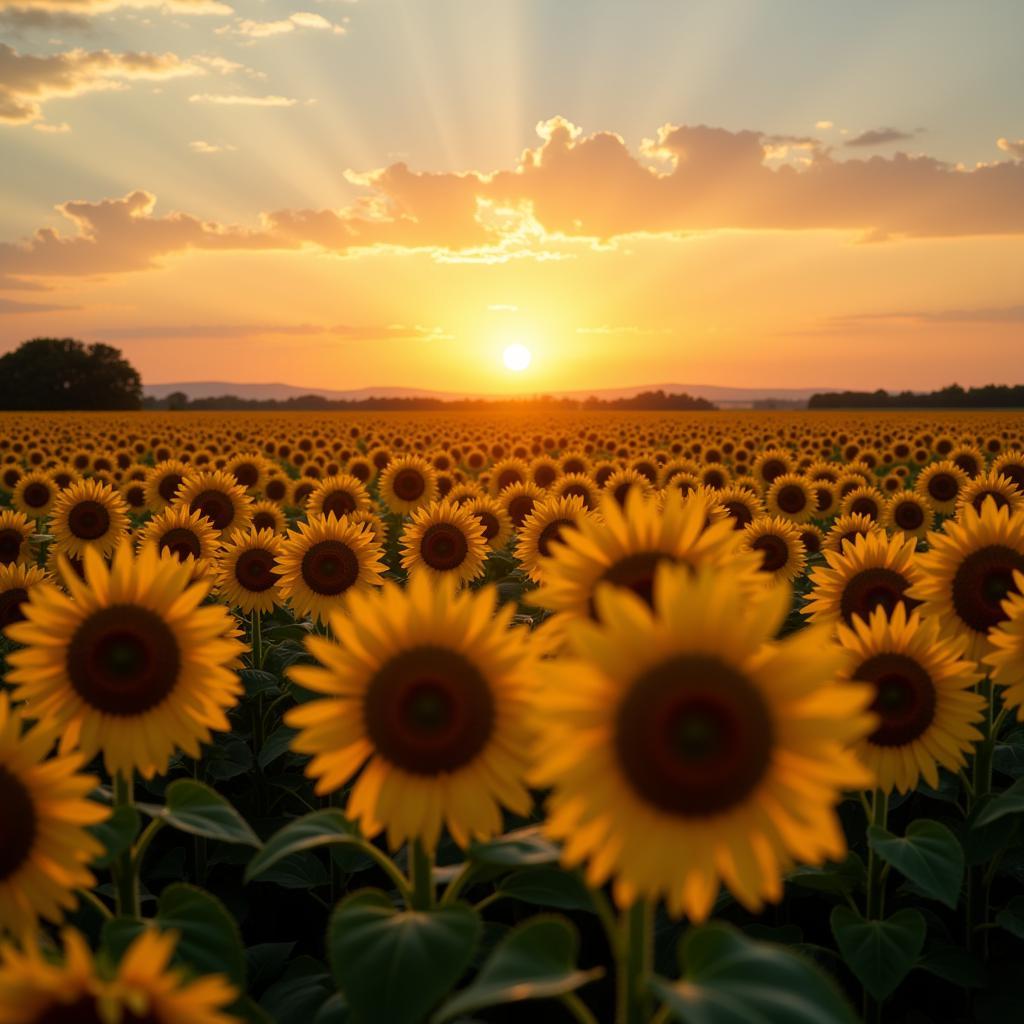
column 537, row 960
column 955, row 965
column 929, row 856
column 119, row 933
column 257, row 681
column 276, row 744
column 548, row 887
column 199, row 810
column 524, row 847
column 1008, row 756
column 1011, row 917
column 210, row 941
column 395, row 966
column 730, row 979
column 1010, row 801
column 117, row 834
column 880, row 953
column 321, row 828
column 846, row 876
column 300, row 993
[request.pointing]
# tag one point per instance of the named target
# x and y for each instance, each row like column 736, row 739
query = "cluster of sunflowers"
column 388, row 672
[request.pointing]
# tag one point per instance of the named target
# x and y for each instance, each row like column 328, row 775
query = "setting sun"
column 517, row 357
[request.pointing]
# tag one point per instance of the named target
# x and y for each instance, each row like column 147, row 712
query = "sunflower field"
column 606, row 718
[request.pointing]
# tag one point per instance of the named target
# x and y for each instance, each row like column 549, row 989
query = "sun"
column 517, row 357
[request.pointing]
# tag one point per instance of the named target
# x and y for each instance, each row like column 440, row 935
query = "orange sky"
column 286, row 245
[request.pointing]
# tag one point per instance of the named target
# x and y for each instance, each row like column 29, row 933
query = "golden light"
column 517, row 358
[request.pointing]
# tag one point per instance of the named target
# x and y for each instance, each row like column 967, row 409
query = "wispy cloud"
column 880, row 137
column 199, row 146
column 236, row 100
column 282, row 26
column 84, row 8
column 10, row 307
column 1015, row 147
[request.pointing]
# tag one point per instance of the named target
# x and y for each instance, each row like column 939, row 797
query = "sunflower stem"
column 977, row 890
column 422, row 873
column 876, row 890
column 635, row 959
column 96, row 903
column 256, row 639
column 578, row 1010
column 125, row 878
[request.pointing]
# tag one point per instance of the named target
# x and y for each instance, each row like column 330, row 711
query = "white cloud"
column 199, row 146
column 300, row 19
column 233, row 100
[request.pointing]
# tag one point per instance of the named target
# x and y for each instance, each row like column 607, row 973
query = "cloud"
column 982, row 315
column 27, row 81
column 235, row 100
column 1015, row 147
column 52, row 129
column 86, row 8
column 12, row 306
column 353, row 332
column 301, row 19
column 879, row 137
column 824, row 126
column 210, row 147
column 571, row 190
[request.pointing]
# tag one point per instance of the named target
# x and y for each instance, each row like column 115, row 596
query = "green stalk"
column 421, row 869
column 256, row 639
column 635, row 957
column 876, row 890
column 125, row 879
column 981, row 783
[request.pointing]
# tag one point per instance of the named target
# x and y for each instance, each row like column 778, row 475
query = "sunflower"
column 906, row 512
column 44, row 846
column 684, row 748
column 493, row 518
column 519, row 501
column 245, row 576
column 444, row 540
column 812, row 538
column 770, row 465
column 36, row 990
column 969, row 458
column 88, row 515
column 776, row 541
column 940, row 484
column 34, row 494
column 577, row 485
column 341, row 494
column 188, row 536
column 408, row 483
column 792, row 497
column 507, row 473
column 624, row 482
column 1006, row 659
column 15, row 583
column 544, row 471
column 1011, row 465
column 129, row 664
column 371, row 522
column 215, row 495
column 249, row 471
column 863, row 501
column 1001, row 489
column 873, row 571
column 623, row 546
column 545, row 526
column 970, row 569
column 163, row 482
column 277, row 489
column 922, row 696
column 15, row 537
column 426, row 695
column 133, row 492
column 741, row 504
column 324, row 558
column 846, row 529
column 267, row 515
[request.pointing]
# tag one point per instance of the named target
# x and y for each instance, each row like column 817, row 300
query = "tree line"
column 991, row 396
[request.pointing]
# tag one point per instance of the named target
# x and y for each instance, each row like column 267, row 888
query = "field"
column 710, row 718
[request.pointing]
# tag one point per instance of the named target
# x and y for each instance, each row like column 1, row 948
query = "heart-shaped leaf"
column 1011, row 917
column 303, row 989
column 321, row 828
column 730, row 979
column 524, row 847
column 201, row 811
column 210, row 941
column 880, row 953
column 393, row 965
column 537, row 960
column 929, row 856
column 548, row 887
column 1010, row 801
column 846, row 876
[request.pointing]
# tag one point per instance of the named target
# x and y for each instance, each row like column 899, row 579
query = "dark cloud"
column 880, row 137
column 12, row 306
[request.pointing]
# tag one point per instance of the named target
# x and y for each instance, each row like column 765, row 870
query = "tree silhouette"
column 61, row 373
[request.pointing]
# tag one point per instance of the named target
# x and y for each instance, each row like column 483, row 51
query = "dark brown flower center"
column 82, row 1011
column 135, row 495
column 968, row 463
column 634, row 572
column 693, row 736
column 19, row 823
column 1000, row 499
column 544, row 476
column 181, row 542
column 904, row 698
column 811, row 541
column 490, row 524
column 865, row 506
column 739, row 513
column 264, row 521
column 428, row 710
column 774, row 551
column 519, row 508
column 508, row 477
column 10, row 606
column 329, row 568
column 88, row 520
column 36, row 494
column 908, row 515
column 792, row 499
column 10, row 545
column 215, row 506
column 168, row 486
column 871, row 589
column 254, row 570
column 443, row 547
column 981, row 584
column 408, row 484
column 943, row 487
column 772, row 470
column 551, row 534
column 338, row 503
column 579, row 491
column 247, row 474
column 123, row 660
column 275, row 489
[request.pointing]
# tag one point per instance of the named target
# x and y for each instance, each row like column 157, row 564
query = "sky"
column 358, row 193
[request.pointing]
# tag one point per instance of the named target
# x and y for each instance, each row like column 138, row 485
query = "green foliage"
column 880, row 953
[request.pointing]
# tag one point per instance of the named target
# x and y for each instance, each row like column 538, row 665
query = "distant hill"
column 725, row 397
